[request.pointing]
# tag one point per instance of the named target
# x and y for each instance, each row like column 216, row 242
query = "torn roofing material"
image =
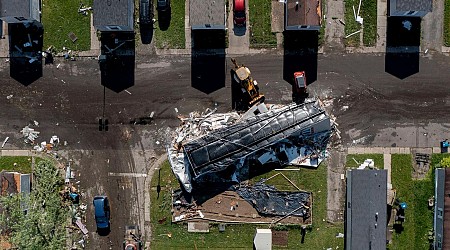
column 224, row 154
column 267, row 200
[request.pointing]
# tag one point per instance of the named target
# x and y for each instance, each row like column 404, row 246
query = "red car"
column 239, row 12
column 299, row 90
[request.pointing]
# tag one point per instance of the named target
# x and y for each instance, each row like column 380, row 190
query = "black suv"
column 163, row 5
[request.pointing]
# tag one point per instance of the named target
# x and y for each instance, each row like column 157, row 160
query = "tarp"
column 267, row 200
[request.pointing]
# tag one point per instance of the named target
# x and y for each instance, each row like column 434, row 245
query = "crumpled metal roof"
column 223, row 152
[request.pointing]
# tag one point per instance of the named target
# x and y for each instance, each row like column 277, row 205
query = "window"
column 113, row 27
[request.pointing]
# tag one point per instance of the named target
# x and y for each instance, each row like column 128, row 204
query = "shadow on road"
column 24, row 72
column 103, row 231
column 25, row 46
column 208, row 59
column 402, row 46
column 239, row 30
column 117, row 60
column 300, row 54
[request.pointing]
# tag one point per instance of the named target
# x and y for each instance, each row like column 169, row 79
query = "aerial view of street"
column 226, row 124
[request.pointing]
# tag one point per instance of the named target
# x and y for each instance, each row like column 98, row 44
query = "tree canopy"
column 37, row 220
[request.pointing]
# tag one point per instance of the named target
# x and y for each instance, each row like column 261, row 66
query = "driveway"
column 238, row 39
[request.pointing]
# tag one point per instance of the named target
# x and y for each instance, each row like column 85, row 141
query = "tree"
column 43, row 224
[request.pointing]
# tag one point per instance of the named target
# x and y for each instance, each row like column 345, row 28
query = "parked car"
column 239, row 12
column 163, row 5
column 146, row 12
column 102, row 212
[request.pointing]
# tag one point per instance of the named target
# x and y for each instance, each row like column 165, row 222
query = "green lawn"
column 447, row 23
column 320, row 236
column 369, row 13
column 260, row 24
column 419, row 219
column 173, row 37
column 350, row 24
column 60, row 17
column 23, row 163
column 377, row 158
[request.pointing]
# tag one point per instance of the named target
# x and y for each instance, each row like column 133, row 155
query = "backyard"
column 171, row 37
column 61, row 17
column 260, row 24
column 321, row 235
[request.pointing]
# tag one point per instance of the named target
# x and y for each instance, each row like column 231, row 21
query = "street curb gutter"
column 147, row 185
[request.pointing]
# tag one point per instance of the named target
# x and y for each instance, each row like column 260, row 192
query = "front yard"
column 446, row 23
column 261, row 35
column 173, row 37
column 419, row 219
column 61, row 17
column 368, row 12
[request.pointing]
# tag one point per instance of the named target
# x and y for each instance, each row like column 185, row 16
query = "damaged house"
column 296, row 134
column 210, row 153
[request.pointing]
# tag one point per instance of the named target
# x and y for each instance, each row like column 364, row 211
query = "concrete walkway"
column 387, row 166
column 334, row 30
column 432, row 28
column 381, row 25
column 386, row 150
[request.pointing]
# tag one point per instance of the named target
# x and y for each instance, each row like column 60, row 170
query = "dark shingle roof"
column 414, row 5
column 15, row 8
column 113, row 12
column 366, row 209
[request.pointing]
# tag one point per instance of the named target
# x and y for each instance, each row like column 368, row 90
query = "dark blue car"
column 102, row 212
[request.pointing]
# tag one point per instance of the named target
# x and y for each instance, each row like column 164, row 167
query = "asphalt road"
column 371, row 107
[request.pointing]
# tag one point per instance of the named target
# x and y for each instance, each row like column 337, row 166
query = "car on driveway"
column 163, row 5
column 239, row 12
column 102, row 212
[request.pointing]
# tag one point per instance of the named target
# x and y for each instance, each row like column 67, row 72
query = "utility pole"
column 103, row 122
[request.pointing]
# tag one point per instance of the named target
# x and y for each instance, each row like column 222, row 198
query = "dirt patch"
column 280, row 238
column 229, row 207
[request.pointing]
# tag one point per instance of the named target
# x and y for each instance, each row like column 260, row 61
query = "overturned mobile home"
column 295, row 134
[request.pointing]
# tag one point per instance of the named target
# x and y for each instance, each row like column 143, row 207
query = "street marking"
column 127, row 174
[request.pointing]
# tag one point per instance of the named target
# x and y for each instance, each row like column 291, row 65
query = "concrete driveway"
column 238, row 39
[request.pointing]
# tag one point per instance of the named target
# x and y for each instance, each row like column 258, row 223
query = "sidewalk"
column 386, row 150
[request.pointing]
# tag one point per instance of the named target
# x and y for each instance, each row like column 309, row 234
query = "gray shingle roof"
column 207, row 12
column 414, row 5
column 114, row 12
column 15, row 8
column 366, row 209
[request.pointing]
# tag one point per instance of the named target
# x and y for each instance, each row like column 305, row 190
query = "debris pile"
column 207, row 149
column 29, row 134
column 72, row 198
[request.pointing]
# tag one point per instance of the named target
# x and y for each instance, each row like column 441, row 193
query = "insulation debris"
column 212, row 148
column 29, row 134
